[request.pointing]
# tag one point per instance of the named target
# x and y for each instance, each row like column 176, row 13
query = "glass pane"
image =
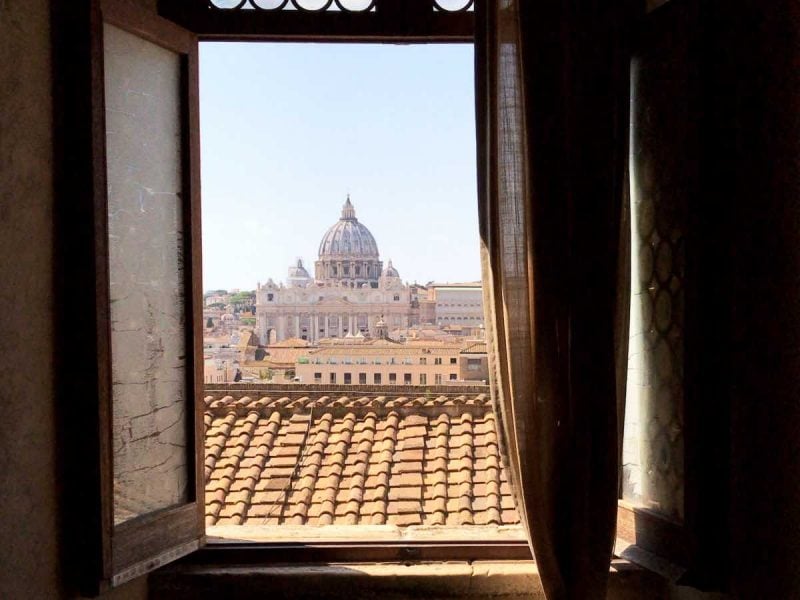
column 148, row 349
column 653, row 448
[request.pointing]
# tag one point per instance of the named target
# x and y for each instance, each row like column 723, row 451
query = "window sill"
column 477, row 579
column 268, row 534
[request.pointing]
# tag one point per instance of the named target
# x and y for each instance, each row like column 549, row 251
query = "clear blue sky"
column 287, row 130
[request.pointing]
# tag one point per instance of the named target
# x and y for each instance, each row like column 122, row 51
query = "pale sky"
column 288, row 130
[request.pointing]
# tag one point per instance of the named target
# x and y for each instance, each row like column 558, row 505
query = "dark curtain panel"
column 553, row 92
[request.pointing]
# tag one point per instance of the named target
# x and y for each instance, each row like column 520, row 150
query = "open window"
column 145, row 310
column 144, row 80
column 297, row 461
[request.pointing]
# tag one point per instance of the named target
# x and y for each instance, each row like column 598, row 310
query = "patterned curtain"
column 552, row 100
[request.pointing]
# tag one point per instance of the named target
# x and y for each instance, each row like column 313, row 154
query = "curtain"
column 552, row 104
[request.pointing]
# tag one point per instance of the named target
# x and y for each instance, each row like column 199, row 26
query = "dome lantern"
column 348, row 212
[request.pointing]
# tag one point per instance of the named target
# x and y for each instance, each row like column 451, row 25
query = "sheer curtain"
column 552, row 102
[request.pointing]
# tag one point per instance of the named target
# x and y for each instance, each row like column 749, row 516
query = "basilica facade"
column 351, row 293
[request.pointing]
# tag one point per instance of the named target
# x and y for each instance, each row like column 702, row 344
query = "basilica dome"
column 348, row 238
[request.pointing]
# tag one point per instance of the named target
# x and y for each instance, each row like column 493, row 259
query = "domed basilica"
column 350, row 291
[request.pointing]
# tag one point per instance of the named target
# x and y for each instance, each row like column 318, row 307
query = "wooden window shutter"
column 132, row 288
column 672, row 512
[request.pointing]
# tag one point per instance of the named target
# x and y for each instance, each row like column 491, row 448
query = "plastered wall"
column 27, row 454
column 29, row 499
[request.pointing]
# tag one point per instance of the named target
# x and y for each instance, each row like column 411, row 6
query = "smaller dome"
column 390, row 271
column 298, row 272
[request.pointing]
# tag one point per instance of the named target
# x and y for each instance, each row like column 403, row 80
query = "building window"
column 270, row 297
column 423, row 361
column 437, row 379
column 396, row 298
column 392, row 377
column 453, row 376
column 362, row 378
column 473, row 364
column 333, row 378
column 376, row 379
column 407, row 378
column 437, row 361
column 348, row 378
column 317, row 377
column 423, row 379
column 453, row 361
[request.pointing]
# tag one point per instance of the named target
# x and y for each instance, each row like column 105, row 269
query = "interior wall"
column 29, row 491
column 759, row 89
column 27, row 450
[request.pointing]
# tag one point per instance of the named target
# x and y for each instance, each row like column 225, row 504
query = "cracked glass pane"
column 149, row 378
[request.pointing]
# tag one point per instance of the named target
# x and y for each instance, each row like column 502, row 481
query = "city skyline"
column 288, row 131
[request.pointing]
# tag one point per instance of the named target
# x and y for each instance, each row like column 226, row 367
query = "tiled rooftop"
column 321, row 455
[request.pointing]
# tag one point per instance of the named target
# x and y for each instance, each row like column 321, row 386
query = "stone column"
column 315, row 320
column 325, row 319
column 281, row 327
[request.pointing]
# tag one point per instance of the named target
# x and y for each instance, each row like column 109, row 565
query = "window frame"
column 77, row 175
column 82, row 177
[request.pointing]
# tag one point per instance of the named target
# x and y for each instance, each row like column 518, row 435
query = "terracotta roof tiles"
column 302, row 456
